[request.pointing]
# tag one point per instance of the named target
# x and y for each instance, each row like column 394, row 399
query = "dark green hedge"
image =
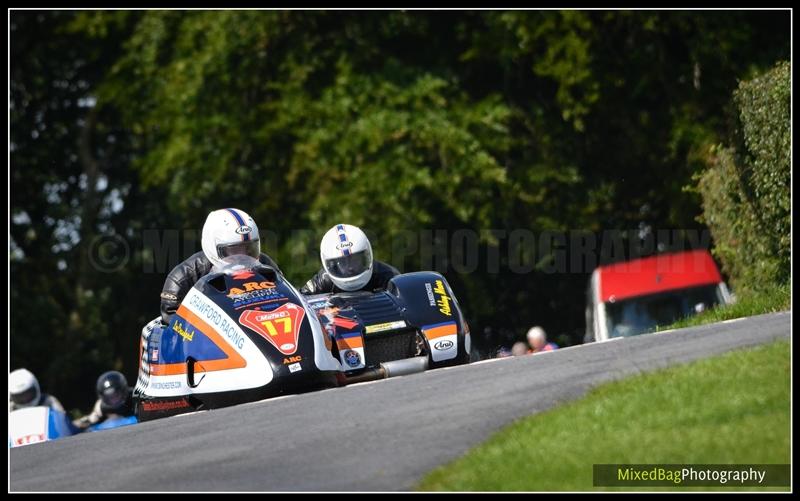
column 746, row 189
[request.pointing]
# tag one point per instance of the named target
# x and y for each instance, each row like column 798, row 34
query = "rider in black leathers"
column 225, row 232
column 347, row 264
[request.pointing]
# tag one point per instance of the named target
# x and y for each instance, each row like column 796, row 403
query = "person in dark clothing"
column 226, row 232
column 347, row 264
column 113, row 400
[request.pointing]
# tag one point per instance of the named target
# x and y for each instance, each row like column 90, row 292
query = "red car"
column 634, row 297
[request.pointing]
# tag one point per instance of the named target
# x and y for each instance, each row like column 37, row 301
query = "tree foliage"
column 746, row 190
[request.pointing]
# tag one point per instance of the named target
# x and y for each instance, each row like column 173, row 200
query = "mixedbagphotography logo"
column 691, row 475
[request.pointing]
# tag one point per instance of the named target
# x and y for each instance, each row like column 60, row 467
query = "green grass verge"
column 732, row 408
column 776, row 298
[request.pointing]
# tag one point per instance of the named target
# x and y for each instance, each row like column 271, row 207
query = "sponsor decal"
column 242, row 275
column 345, row 323
column 443, row 345
column 243, row 230
column 352, row 358
column 226, row 327
column 331, row 320
column 261, row 303
column 165, row 405
column 388, row 326
column 294, row 368
column 429, row 291
column 327, row 311
column 255, row 293
column 344, row 245
column 30, row 439
column 182, row 331
column 154, row 355
column 291, row 360
column 169, row 385
column 280, row 326
column 250, row 287
column 168, row 296
column 443, row 302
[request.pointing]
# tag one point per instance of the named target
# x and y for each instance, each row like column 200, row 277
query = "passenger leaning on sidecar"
column 226, row 232
column 24, row 391
column 347, row 264
column 113, row 400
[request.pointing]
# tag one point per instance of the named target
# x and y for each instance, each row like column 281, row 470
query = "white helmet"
column 346, row 255
column 23, row 388
column 228, row 232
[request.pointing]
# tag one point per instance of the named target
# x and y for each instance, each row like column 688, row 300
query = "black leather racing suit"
column 183, row 277
column 321, row 282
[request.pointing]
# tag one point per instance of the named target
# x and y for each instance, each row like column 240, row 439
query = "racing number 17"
column 270, row 325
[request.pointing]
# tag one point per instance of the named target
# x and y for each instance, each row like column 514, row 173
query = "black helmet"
column 112, row 389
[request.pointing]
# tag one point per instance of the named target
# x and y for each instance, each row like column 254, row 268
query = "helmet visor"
column 251, row 248
column 350, row 265
column 114, row 397
column 24, row 398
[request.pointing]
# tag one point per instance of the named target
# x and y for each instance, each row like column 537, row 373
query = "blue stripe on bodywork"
column 174, row 348
column 433, row 326
column 348, row 335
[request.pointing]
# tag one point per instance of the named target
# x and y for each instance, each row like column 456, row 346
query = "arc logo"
column 250, row 287
column 243, row 230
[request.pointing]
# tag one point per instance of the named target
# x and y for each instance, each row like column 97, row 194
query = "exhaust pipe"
column 394, row 368
column 405, row 367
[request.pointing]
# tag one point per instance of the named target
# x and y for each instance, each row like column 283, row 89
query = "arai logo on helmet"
column 243, row 230
column 443, row 345
column 352, row 358
column 344, row 245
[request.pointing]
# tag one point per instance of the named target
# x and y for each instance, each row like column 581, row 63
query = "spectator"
column 502, row 352
column 537, row 339
column 519, row 348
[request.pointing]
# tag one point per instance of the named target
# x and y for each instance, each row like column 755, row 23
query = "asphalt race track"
column 368, row 437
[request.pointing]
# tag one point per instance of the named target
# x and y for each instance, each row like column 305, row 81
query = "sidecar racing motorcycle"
column 244, row 333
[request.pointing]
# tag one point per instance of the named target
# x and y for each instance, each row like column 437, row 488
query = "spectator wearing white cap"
column 537, row 339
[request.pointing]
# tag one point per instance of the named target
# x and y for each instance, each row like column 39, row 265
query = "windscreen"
column 638, row 315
